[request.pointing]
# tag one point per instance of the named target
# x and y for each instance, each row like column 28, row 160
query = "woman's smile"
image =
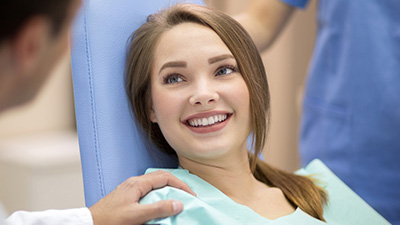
column 207, row 122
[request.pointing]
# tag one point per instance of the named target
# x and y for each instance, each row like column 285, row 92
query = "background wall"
column 39, row 153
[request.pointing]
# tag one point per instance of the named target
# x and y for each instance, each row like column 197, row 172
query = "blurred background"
column 39, row 153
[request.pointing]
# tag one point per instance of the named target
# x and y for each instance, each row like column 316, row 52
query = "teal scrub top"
column 211, row 206
column 351, row 106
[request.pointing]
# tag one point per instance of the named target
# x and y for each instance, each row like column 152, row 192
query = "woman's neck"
column 231, row 175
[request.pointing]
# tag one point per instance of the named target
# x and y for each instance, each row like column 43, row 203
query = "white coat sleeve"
column 80, row 216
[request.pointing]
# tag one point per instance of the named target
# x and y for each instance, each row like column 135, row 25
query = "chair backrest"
column 111, row 147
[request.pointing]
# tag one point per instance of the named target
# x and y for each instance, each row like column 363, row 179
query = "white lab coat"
column 80, row 216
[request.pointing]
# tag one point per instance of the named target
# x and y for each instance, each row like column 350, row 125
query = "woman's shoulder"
column 197, row 210
column 201, row 187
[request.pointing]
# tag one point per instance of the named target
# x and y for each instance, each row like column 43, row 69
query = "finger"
column 157, row 210
column 160, row 179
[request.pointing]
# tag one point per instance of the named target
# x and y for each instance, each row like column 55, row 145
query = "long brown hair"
column 299, row 190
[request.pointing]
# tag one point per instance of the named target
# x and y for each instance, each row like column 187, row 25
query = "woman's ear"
column 153, row 117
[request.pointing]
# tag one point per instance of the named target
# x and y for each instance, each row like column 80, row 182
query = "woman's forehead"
column 186, row 41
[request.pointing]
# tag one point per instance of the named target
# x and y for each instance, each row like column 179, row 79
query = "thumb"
column 157, row 210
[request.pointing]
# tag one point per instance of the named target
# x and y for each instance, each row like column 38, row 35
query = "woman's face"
column 199, row 99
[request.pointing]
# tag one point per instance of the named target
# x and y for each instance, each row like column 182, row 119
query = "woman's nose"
column 203, row 94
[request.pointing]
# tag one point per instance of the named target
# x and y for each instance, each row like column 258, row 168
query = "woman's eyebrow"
column 173, row 64
column 219, row 58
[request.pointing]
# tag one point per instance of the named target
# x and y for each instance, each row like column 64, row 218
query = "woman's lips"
column 206, row 123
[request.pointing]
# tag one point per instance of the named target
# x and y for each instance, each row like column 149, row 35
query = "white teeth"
column 216, row 119
column 205, row 122
column 208, row 121
column 223, row 117
column 211, row 120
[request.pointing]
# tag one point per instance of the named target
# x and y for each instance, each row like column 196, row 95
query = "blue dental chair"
column 112, row 149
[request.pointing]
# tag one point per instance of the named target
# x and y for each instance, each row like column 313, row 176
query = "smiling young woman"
column 198, row 89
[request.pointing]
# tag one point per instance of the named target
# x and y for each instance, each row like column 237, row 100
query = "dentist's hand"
column 122, row 205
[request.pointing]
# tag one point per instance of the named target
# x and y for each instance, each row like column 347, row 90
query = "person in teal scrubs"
column 351, row 107
column 198, row 88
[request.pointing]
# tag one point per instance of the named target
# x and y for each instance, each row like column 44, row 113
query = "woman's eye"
column 225, row 70
column 173, row 78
